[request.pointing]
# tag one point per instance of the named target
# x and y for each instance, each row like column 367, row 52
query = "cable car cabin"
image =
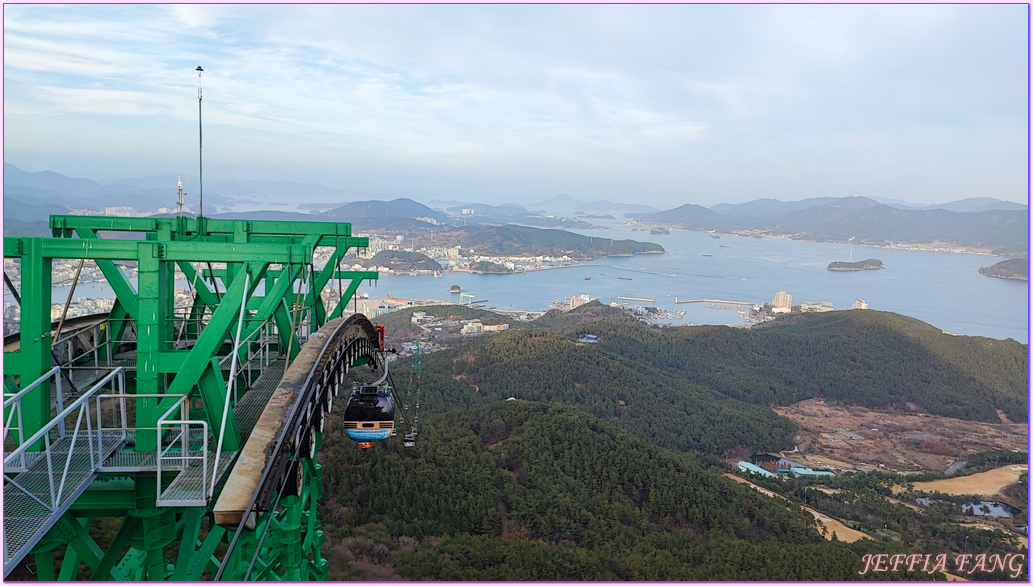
column 410, row 440
column 370, row 414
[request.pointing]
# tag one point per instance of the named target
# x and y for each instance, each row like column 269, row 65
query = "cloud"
column 561, row 90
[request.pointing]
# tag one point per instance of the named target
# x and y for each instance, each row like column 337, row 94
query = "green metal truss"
column 179, row 543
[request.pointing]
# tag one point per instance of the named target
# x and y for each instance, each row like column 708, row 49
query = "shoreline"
column 923, row 246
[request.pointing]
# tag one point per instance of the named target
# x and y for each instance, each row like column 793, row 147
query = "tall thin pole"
column 200, row 161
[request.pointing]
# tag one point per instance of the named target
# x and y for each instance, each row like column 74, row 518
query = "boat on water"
column 624, row 278
column 588, row 277
column 708, row 255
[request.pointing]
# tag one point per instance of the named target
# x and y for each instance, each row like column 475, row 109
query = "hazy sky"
column 662, row 105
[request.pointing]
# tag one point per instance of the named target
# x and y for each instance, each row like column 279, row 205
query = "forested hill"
column 402, row 260
column 526, row 491
column 521, row 240
column 661, row 407
column 1013, row 268
column 872, row 358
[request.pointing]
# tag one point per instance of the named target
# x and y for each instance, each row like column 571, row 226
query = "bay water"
column 943, row 289
column 940, row 288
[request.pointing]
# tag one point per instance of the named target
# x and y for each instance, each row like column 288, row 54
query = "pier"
column 718, row 303
column 643, row 299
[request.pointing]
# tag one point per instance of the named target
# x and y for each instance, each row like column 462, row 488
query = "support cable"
column 10, row 286
column 186, row 317
column 68, row 302
column 294, row 317
column 211, row 274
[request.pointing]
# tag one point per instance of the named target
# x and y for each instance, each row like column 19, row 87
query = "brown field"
column 902, row 441
column 834, row 526
column 984, row 483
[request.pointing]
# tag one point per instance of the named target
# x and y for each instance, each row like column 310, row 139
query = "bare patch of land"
column 987, row 483
column 865, row 439
column 832, row 525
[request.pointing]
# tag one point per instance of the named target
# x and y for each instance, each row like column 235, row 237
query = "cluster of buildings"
column 776, row 466
column 783, row 303
column 469, row 326
column 476, row 327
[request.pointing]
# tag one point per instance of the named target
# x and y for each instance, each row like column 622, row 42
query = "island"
column 405, row 261
column 869, row 264
column 489, row 267
column 1013, row 268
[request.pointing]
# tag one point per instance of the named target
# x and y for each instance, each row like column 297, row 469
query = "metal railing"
column 80, row 443
column 65, row 347
column 14, row 425
column 181, row 438
column 254, row 347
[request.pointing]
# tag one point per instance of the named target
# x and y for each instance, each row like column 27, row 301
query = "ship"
column 624, row 278
column 588, row 277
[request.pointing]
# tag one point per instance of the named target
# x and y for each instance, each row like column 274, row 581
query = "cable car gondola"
column 370, row 414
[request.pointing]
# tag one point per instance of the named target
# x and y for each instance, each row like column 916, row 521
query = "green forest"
column 1013, row 268
column 521, row 240
column 544, row 458
column 525, row 491
column 404, row 261
column 870, row 358
column 516, row 490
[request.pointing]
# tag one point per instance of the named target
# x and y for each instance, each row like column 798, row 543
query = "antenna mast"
column 200, row 162
column 179, row 203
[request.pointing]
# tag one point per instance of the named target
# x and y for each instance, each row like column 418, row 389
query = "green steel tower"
column 138, row 417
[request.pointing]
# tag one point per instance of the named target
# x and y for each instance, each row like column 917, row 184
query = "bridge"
column 196, row 428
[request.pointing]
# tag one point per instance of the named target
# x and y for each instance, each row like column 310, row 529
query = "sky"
column 652, row 104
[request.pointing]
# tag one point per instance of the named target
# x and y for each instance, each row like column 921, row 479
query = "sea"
column 941, row 288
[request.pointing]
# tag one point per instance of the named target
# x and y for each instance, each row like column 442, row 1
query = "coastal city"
column 69, row 274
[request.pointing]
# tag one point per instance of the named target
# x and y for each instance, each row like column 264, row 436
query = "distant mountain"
column 480, row 209
column 396, row 208
column 759, row 208
column 972, row 204
column 692, row 217
column 565, row 204
column 17, row 209
column 73, row 193
column 273, row 215
column 560, row 201
column 866, row 221
column 980, row 204
column 521, row 240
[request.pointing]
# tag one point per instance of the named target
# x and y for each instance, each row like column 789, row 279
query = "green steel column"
column 286, row 538
column 37, row 279
column 314, row 539
column 157, row 529
column 150, row 326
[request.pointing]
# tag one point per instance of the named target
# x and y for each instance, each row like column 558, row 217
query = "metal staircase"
column 66, row 456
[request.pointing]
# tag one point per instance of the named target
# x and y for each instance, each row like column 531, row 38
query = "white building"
column 860, row 304
column 814, row 307
column 579, row 300
column 782, row 303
